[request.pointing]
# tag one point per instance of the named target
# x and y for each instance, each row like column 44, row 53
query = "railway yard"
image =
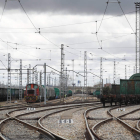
column 75, row 119
column 69, row 70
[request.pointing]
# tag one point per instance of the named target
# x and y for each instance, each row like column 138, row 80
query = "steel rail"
column 30, row 126
column 28, row 113
column 114, row 118
column 98, row 125
column 91, row 133
column 60, row 106
column 45, row 116
column 125, row 124
column 137, row 125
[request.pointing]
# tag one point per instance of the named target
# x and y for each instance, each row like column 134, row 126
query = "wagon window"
column 29, row 86
column 35, row 86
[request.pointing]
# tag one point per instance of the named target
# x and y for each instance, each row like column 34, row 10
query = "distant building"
column 107, row 85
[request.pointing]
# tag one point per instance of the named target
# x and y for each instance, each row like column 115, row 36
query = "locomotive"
column 35, row 93
column 127, row 92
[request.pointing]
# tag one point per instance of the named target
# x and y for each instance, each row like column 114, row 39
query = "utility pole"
column 66, row 81
column 129, row 72
column 40, row 78
column 29, row 73
column 134, row 70
column 101, row 75
column 45, row 83
column 125, row 73
column 62, row 70
column 85, row 72
column 20, row 81
column 9, row 79
column 33, row 76
column 47, row 80
column 28, row 76
column 36, row 76
column 114, row 77
column 55, row 81
column 73, row 77
column 137, row 4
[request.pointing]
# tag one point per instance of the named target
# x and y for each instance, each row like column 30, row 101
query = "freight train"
column 35, row 93
column 14, row 93
column 127, row 92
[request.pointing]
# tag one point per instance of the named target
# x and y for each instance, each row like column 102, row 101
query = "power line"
column 125, row 16
column 3, row 10
column 70, row 24
column 27, row 15
column 97, row 41
column 39, row 30
column 103, row 16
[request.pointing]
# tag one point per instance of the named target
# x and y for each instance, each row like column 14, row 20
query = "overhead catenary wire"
column 3, row 10
column 27, row 15
column 68, row 24
column 37, row 29
column 47, row 39
column 126, row 17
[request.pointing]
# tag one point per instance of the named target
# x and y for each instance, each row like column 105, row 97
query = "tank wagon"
column 96, row 93
column 50, row 92
column 127, row 92
column 69, row 93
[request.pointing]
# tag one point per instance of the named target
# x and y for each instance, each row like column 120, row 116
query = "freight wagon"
column 14, row 94
column 127, row 92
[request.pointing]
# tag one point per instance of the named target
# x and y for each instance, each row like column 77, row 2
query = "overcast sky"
column 74, row 24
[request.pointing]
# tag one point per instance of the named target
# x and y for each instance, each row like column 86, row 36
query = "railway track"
column 113, row 127
column 22, row 130
column 18, row 129
column 65, row 131
column 23, row 124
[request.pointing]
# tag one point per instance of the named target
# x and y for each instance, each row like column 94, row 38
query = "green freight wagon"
column 135, row 77
column 129, row 87
column 96, row 93
column 129, row 91
column 57, row 92
column 69, row 93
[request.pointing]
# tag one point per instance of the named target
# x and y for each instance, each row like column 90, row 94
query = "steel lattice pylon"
column 125, row 73
column 114, row 77
column 9, row 79
column 41, row 78
column 29, row 73
column 101, row 75
column 27, row 76
column 33, row 76
column 20, row 81
column 36, row 76
column 85, row 70
column 137, row 4
column 62, row 70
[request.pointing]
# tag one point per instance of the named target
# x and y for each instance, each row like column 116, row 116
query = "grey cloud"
column 87, row 7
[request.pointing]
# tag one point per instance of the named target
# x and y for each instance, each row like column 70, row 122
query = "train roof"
column 135, row 77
